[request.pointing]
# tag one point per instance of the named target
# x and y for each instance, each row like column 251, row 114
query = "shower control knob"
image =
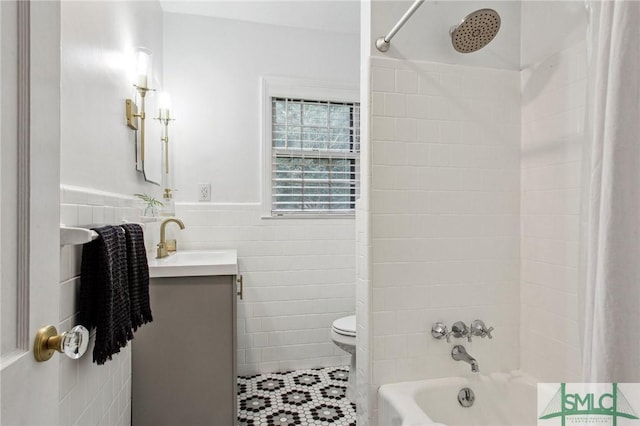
column 460, row 330
column 439, row 331
column 478, row 328
column 489, row 330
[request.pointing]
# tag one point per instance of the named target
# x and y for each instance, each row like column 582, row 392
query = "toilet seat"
column 345, row 326
column 343, row 334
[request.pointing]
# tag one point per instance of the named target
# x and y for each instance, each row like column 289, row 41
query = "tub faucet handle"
column 439, row 331
column 460, row 330
column 488, row 332
column 478, row 328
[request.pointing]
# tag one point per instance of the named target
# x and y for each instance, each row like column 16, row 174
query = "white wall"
column 98, row 45
column 213, row 68
column 553, row 111
column 98, row 155
column 553, row 87
column 549, row 27
column 299, row 275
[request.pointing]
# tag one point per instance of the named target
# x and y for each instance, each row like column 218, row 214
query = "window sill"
column 310, row 216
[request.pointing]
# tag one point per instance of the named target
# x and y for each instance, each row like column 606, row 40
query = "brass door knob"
column 72, row 343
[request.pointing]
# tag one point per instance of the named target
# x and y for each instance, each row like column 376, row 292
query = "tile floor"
column 313, row 397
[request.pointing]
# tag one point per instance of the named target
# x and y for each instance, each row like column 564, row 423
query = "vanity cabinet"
column 184, row 369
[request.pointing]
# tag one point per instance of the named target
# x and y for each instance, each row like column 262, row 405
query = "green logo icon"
column 565, row 404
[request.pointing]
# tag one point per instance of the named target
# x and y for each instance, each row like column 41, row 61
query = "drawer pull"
column 240, row 286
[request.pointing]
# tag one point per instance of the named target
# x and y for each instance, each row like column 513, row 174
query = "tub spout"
column 459, row 353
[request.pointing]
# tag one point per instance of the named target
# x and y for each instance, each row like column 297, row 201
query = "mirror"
column 151, row 164
column 148, row 135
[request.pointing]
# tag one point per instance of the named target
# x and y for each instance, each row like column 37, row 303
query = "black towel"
column 104, row 292
column 138, row 275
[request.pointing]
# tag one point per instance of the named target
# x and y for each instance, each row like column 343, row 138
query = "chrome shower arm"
column 383, row 43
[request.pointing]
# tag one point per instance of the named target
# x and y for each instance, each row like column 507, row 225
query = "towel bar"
column 73, row 235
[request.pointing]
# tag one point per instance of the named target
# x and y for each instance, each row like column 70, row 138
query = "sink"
column 189, row 263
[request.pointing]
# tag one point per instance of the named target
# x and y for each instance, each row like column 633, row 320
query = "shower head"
column 475, row 31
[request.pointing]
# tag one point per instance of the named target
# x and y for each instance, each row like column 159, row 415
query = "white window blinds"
column 315, row 156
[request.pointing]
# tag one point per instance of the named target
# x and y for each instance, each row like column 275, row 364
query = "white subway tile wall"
column 445, row 217
column 90, row 394
column 553, row 110
column 299, row 276
column 364, row 398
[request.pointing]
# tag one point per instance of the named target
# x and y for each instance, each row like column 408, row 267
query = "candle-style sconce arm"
column 164, row 118
column 135, row 117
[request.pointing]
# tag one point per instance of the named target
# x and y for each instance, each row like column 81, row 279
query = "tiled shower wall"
column 363, row 242
column 90, row 394
column 298, row 278
column 445, row 212
column 553, row 110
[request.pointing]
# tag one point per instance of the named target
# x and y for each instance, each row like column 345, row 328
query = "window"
column 315, row 150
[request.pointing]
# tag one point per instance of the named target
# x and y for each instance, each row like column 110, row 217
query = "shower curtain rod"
column 383, row 43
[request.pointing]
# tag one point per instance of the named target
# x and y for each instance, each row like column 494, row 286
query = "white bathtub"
column 500, row 399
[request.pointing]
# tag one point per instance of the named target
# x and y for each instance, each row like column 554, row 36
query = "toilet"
column 343, row 334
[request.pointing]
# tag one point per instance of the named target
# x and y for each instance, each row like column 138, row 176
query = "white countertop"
column 190, row 263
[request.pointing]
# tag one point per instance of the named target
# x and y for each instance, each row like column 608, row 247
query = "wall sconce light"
column 135, row 117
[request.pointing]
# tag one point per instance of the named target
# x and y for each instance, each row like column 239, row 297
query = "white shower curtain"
column 610, row 263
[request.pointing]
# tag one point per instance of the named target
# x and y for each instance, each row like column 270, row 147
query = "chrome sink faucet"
column 165, row 246
column 459, row 353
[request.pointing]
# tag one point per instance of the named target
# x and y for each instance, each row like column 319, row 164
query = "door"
column 29, row 207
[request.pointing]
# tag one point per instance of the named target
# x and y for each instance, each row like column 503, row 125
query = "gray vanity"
column 184, row 369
